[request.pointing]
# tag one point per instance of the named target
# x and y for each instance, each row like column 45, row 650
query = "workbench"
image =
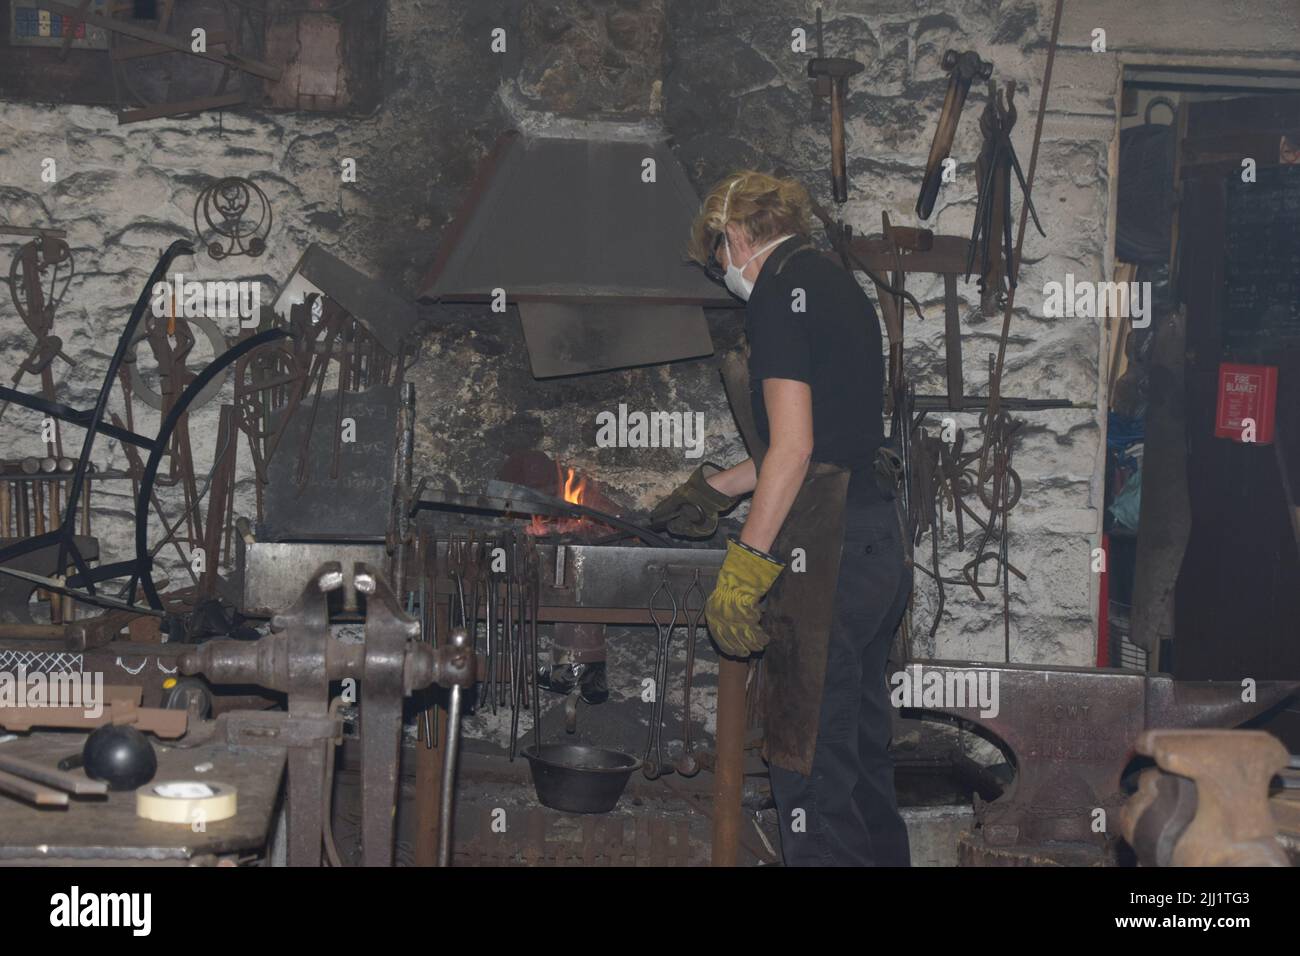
column 106, row 830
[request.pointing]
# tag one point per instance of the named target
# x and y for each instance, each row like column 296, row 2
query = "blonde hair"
column 763, row 206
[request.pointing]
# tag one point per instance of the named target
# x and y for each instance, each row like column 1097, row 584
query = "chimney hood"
column 587, row 237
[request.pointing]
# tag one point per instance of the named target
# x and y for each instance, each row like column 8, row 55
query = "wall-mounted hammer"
column 964, row 68
column 835, row 72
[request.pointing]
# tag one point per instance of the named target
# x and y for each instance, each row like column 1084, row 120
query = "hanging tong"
column 693, row 601
column 512, row 640
column 653, row 766
column 992, row 224
column 470, row 572
column 533, row 577
column 492, row 619
column 456, row 548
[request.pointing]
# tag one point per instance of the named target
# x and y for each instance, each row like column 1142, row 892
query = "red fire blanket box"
column 1246, row 392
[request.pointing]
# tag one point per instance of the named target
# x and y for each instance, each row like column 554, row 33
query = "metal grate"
column 47, row 662
column 1123, row 652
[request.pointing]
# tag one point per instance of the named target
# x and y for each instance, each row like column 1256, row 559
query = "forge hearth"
column 542, row 473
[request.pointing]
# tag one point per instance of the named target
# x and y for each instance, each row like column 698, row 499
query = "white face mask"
column 735, row 279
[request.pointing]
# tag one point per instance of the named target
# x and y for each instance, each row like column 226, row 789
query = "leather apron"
column 798, row 611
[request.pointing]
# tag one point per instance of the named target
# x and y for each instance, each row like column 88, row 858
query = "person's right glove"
column 692, row 510
column 732, row 608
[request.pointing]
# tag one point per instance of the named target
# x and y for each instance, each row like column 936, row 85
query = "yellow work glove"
column 732, row 609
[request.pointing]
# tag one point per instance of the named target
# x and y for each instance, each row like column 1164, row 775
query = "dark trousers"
column 846, row 812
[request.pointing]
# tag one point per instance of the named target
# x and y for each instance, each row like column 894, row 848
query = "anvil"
column 1072, row 732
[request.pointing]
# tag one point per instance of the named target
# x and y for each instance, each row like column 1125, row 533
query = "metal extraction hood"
column 587, row 237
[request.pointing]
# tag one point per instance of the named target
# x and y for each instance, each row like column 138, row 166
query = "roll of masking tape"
column 186, row 801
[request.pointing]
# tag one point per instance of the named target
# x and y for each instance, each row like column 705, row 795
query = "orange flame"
column 575, row 489
column 574, row 492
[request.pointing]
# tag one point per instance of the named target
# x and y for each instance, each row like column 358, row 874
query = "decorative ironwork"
column 236, row 210
column 82, row 584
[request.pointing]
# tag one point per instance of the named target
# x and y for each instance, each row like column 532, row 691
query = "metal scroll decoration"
column 977, row 486
column 232, row 217
column 37, row 261
column 82, row 584
column 38, row 279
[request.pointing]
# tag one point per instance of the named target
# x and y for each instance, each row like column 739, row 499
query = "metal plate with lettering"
column 354, row 504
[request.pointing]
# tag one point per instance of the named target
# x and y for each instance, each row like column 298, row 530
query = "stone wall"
column 757, row 113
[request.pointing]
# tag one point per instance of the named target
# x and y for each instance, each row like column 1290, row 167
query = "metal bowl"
column 579, row 779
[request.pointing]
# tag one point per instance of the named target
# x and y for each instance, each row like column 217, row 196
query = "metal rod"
column 490, row 613
column 99, row 600
column 60, row 779
column 31, row 792
column 995, row 384
column 516, row 634
column 534, row 582
column 449, row 777
column 425, row 629
column 729, row 771
column 524, row 495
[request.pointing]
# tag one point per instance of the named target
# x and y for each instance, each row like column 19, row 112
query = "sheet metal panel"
column 571, row 218
column 568, row 339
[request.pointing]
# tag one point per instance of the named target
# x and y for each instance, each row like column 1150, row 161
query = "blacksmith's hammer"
column 964, row 67
column 837, row 71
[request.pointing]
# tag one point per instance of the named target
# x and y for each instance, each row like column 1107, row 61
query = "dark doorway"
column 1237, row 606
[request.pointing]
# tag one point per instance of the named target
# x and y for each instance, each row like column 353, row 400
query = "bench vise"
column 301, row 658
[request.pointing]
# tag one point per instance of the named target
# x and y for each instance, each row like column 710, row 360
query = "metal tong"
column 533, row 577
column 693, row 601
column 654, row 766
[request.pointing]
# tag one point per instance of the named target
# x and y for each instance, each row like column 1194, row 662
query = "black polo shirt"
column 833, row 344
